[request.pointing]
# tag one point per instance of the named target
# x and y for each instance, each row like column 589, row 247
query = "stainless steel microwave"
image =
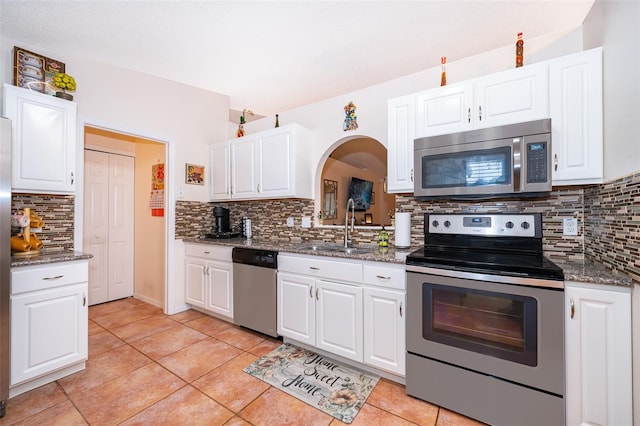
column 511, row 160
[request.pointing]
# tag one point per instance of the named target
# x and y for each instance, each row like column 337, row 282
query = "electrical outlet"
column 569, row 226
column 290, row 222
column 180, row 192
column 306, row 222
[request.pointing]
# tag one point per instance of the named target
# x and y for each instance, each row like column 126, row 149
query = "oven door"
column 509, row 331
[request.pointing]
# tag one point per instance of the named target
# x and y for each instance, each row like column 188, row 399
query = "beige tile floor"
column 147, row 368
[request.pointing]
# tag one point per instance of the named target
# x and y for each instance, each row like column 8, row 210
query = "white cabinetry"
column 49, row 323
column 598, row 355
column 507, row 97
column 209, row 278
column 401, row 133
column 350, row 308
column 318, row 308
column 268, row 164
column 384, row 317
column 220, row 160
column 44, row 141
column 576, row 118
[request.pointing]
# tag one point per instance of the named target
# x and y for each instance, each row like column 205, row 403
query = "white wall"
column 615, row 25
column 189, row 119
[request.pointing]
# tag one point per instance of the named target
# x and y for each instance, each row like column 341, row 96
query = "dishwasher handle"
column 255, row 257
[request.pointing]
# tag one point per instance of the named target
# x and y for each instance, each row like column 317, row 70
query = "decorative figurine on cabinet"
column 350, row 119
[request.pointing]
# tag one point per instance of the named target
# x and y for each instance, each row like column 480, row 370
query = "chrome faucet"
column 347, row 242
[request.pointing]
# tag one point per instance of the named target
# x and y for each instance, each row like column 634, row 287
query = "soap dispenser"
column 383, row 238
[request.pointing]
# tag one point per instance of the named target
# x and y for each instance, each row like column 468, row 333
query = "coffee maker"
column 221, row 226
column 221, row 216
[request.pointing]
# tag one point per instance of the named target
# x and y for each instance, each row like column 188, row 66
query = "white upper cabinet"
column 220, row 171
column 268, row 164
column 512, row 96
column 401, row 133
column 44, row 141
column 576, row 118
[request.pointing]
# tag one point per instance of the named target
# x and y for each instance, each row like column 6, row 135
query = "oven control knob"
column 509, row 225
column 447, row 224
column 525, row 225
column 435, row 223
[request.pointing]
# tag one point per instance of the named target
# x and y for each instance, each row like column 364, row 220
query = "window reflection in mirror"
column 365, row 159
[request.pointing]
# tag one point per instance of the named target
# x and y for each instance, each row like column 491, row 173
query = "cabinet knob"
column 555, row 162
column 480, row 113
column 411, row 175
column 73, row 179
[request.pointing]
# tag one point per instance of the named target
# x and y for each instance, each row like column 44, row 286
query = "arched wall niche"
column 356, row 156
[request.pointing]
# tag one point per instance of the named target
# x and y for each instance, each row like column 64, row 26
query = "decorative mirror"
column 329, row 199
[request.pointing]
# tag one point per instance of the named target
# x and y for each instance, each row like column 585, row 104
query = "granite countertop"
column 374, row 254
column 47, row 257
column 584, row 271
column 588, row 271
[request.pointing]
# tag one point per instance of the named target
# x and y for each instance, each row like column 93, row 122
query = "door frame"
column 170, row 202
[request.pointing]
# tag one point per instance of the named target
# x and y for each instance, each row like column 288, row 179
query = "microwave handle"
column 517, row 163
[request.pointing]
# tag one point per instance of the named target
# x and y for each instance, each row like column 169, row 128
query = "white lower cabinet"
column 598, row 355
column 209, row 278
column 49, row 323
column 347, row 307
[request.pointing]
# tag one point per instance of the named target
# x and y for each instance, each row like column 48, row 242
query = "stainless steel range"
column 485, row 316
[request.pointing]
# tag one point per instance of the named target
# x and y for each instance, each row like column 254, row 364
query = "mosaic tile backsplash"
column 268, row 218
column 57, row 213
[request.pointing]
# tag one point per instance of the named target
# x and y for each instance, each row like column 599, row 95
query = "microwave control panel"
column 537, row 154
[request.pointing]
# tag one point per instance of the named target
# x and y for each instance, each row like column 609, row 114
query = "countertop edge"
column 583, row 271
column 45, row 258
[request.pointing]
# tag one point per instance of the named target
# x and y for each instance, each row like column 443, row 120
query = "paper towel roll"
column 403, row 230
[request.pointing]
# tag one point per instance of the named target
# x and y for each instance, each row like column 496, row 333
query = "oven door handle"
column 517, row 163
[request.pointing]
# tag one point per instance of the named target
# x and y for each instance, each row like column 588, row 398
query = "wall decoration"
column 350, row 119
column 157, row 190
column 33, row 71
column 194, row 175
column 368, row 218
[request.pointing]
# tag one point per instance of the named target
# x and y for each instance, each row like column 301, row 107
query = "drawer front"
column 208, row 251
column 42, row 277
column 385, row 276
column 322, row 267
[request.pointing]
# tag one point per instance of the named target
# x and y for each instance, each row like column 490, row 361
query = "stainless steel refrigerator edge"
column 5, row 257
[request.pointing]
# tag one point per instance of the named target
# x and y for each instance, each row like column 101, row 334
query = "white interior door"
column 121, row 219
column 108, row 225
column 96, row 223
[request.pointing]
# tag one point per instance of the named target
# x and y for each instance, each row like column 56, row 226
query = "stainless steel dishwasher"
column 254, row 289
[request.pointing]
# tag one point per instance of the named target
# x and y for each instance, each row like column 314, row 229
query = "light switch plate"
column 306, row 222
column 569, row 226
column 290, row 222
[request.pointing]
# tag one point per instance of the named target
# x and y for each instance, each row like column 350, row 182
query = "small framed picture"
column 194, row 175
column 368, row 218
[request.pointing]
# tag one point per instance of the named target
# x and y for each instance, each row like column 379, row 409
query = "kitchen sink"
column 335, row 248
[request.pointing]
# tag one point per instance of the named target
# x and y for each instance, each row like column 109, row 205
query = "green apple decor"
column 66, row 83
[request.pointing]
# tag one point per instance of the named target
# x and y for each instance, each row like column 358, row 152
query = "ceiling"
column 273, row 56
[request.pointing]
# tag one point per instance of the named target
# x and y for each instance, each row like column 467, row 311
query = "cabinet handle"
column 382, row 277
column 401, row 309
column 258, row 187
column 555, row 162
column 73, row 179
column 469, row 115
column 311, row 292
column 207, row 252
column 573, row 308
column 411, row 175
column 480, row 113
column 84, row 299
column 313, row 268
column 317, row 294
column 53, row 278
